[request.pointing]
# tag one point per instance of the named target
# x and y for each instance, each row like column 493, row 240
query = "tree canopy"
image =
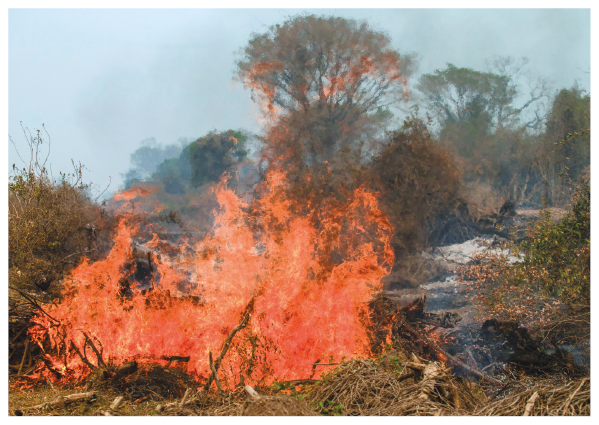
column 210, row 156
column 325, row 83
column 312, row 61
column 463, row 94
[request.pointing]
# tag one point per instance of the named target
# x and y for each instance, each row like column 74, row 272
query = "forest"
column 386, row 245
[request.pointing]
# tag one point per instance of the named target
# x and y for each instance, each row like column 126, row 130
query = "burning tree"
column 325, row 85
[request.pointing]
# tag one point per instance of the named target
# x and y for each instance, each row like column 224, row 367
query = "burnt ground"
column 455, row 314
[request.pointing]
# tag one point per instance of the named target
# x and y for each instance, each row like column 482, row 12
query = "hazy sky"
column 104, row 80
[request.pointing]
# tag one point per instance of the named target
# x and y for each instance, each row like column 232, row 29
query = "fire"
column 308, row 283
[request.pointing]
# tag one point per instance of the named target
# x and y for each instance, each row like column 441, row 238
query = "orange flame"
column 310, row 285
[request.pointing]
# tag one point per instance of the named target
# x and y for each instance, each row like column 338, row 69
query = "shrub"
column 556, row 257
column 52, row 224
column 420, row 182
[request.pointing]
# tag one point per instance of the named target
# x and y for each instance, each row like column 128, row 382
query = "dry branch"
column 530, row 404
column 117, row 401
column 295, row 382
column 227, row 342
column 64, row 399
column 127, row 368
column 571, row 399
column 82, row 357
column 565, row 409
column 98, row 354
column 24, row 355
column 183, row 359
column 33, row 303
column 215, row 374
column 161, row 407
column 185, row 397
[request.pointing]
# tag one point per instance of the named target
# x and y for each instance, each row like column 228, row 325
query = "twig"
column 117, row 401
column 161, row 407
column 215, row 374
column 18, row 334
column 183, row 359
column 500, row 391
column 109, row 181
column 34, row 303
column 82, row 357
column 293, row 383
column 24, row 356
column 449, row 357
column 185, row 396
column 565, row 409
column 93, row 347
column 227, row 342
column 407, row 376
column 530, row 404
column 50, row 383
column 65, row 399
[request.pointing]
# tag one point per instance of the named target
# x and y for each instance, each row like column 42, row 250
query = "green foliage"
column 463, row 95
column 568, row 131
column 556, row 257
column 174, row 173
column 210, row 156
column 200, row 162
column 329, row 408
column 501, row 157
column 146, row 159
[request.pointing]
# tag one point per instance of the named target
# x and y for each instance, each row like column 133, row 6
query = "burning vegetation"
column 314, row 272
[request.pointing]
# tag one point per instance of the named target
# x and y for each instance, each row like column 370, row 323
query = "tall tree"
column 486, row 99
column 566, row 145
column 323, row 81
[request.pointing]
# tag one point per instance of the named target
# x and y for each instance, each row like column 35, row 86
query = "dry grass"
column 363, row 387
column 382, row 387
column 544, row 399
column 20, row 402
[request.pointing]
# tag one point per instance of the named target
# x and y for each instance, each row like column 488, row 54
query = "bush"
column 420, row 183
column 52, row 224
column 557, row 257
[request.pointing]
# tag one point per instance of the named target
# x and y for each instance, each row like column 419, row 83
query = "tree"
column 323, row 81
column 485, row 99
column 146, row 159
column 570, row 116
column 459, row 95
column 210, row 156
column 477, row 114
column 565, row 146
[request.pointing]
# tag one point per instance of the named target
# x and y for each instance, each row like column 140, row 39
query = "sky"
column 103, row 80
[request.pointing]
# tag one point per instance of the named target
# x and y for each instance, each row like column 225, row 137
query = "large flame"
column 310, row 279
